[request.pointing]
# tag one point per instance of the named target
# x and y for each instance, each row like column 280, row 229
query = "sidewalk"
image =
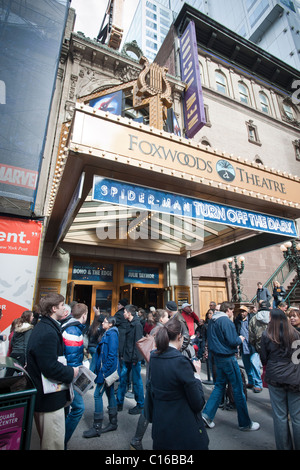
column 225, row 435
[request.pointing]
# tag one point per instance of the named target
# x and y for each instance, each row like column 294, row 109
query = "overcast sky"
column 90, row 14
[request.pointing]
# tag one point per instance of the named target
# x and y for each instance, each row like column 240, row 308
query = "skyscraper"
column 274, row 25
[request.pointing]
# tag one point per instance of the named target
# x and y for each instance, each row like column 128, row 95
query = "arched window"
column 264, row 103
column 221, row 82
column 244, row 93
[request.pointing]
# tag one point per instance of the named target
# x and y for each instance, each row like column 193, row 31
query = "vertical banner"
column 190, row 74
column 19, row 249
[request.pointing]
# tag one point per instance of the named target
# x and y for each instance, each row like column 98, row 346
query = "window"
column 151, row 15
column 221, row 82
column 252, row 133
column 296, row 145
column 151, row 6
column 288, row 111
column 151, row 24
column 244, row 93
column 264, row 103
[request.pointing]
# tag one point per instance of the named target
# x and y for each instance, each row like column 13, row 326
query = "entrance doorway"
column 211, row 290
column 83, row 294
column 147, row 297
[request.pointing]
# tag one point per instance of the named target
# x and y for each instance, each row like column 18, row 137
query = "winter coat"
column 45, row 345
column 73, row 341
column 238, row 324
column 279, row 294
column 20, row 340
column 134, row 332
column 263, row 294
column 282, row 368
column 107, row 355
column 222, row 336
column 121, row 324
column 257, row 325
column 177, row 403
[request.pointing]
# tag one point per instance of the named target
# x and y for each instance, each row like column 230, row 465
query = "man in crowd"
column 44, row 357
column 250, row 357
column 73, row 347
column 131, row 362
column 222, row 342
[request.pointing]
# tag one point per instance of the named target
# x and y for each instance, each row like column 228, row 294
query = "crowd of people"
column 55, row 343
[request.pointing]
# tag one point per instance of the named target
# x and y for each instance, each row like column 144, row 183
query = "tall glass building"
column 274, row 25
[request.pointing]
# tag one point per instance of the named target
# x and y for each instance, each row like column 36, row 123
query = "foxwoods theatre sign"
column 118, row 192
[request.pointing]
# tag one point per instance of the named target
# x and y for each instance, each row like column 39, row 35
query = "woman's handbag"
column 112, row 378
column 145, row 345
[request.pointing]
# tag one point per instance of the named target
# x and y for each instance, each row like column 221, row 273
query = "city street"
column 225, row 435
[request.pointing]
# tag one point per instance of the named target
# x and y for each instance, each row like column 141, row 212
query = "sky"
column 90, row 14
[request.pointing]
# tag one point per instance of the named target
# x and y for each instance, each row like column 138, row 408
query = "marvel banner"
column 19, row 249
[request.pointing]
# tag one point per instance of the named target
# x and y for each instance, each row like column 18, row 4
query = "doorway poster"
column 19, row 249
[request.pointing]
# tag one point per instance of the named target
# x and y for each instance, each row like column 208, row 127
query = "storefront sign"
column 141, row 275
column 117, row 192
column 104, row 134
column 190, row 74
column 85, row 271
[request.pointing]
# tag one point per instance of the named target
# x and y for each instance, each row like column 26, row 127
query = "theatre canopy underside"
column 129, row 186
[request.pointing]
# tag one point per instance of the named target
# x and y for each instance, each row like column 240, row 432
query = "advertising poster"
column 11, row 425
column 19, row 250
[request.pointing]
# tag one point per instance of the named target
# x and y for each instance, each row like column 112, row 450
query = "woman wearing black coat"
column 280, row 354
column 177, row 394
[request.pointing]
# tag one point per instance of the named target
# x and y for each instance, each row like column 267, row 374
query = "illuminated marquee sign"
column 118, row 192
column 103, row 134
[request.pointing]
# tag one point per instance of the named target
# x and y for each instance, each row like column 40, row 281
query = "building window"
column 264, row 103
column 244, row 93
column 221, row 82
column 288, row 111
column 296, row 145
column 252, row 133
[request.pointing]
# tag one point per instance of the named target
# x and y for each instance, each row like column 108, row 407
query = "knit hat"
column 172, row 306
column 123, row 302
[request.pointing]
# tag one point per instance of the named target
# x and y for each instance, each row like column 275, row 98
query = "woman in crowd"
column 160, row 319
column 294, row 316
column 177, row 394
column 107, row 353
column 279, row 354
column 149, row 324
column 22, row 331
column 279, row 293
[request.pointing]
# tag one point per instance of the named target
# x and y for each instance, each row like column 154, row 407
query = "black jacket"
column 45, row 345
column 134, row 332
column 121, row 324
column 178, row 400
column 282, row 367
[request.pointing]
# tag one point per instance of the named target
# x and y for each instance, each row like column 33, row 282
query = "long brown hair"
column 280, row 331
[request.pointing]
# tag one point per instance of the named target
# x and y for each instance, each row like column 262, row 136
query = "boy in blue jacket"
column 222, row 342
column 73, row 348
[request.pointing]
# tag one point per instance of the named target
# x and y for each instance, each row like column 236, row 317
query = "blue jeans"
column 110, row 393
column 137, row 383
column 285, row 403
column 228, row 371
column 252, row 367
column 74, row 416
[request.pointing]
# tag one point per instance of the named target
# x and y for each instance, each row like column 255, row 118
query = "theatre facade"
column 135, row 208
